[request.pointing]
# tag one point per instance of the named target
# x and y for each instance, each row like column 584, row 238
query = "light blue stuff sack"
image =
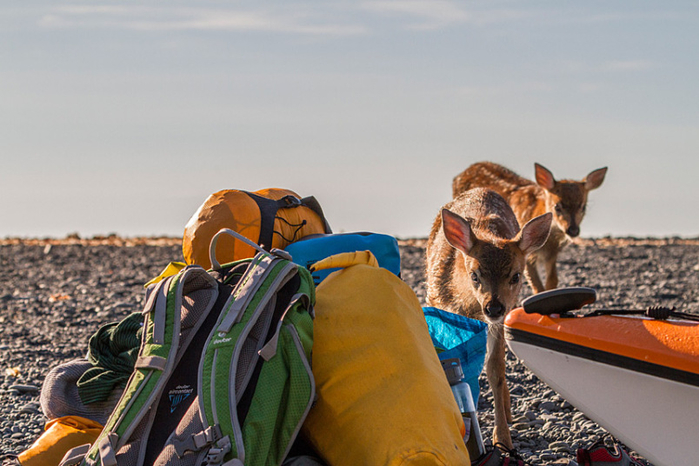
column 311, row 249
column 456, row 336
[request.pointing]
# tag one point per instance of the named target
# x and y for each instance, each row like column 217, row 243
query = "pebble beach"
column 54, row 294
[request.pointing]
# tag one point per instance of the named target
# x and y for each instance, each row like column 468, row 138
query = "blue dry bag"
column 456, row 336
column 313, row 248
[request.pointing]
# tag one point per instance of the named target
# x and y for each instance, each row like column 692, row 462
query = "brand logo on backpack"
column 178, row 395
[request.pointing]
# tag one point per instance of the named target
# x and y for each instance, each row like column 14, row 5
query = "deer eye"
column 475, row 278
column 515, row 279
column 584, row 208
column 559, row 209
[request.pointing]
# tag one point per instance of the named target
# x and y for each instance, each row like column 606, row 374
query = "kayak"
column 636, row 376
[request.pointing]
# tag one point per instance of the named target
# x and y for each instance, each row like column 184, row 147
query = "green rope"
column 113, row 351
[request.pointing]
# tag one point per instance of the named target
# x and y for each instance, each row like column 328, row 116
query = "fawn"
column 476, row 255
column 565, row 199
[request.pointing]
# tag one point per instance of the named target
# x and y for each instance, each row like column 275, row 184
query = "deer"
column 475, row 258
column 565, row 199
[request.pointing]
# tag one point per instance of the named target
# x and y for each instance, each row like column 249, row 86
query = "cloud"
column 611, row 66
column 333, row 18
column 590, row 87
column 506, row 89
column 431, row 13
column 627, row 65
column 437, row 14
column 146, row 18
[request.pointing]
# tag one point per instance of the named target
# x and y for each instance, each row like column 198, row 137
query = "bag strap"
column 346, row 259
column 270, row 349
column 148, row 372
column 266, row 275
column 215, row 265
column 268, row 213
column 74, row 456
column 156, row 360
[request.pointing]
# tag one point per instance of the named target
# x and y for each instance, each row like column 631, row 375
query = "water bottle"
column 464, row 399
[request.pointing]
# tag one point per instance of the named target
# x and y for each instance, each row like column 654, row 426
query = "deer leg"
column 532, row 274
column 495, row 372
column 551, row 272
column 508, row 406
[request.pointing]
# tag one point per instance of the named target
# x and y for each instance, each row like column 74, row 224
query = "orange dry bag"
column 60, row 435
column 272, row 218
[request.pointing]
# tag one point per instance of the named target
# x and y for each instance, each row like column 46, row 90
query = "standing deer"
column 476, row 255
column 565, row 199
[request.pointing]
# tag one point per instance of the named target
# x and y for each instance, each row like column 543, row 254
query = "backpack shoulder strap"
column 227, row 366
column 156, row 360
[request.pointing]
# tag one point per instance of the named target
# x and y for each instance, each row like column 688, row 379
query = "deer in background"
column 475, row 257
column 565, row 199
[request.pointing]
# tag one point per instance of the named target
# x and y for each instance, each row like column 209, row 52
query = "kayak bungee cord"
column 562, row 301
column 654, row 312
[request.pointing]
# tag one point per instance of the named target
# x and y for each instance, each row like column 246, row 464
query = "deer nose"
column 494, row 309
column 573, row 231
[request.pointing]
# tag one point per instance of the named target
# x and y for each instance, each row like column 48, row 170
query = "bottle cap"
column 452, row 369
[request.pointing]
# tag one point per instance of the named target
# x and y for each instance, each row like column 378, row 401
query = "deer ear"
column 544, row 177
column 595, row 179
column 534, row 234
column 458, row 231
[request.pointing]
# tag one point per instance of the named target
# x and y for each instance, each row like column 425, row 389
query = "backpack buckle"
column 75, row 455
column 281, row 254
column 215, row 454
column 291, row 201
column 197, row 442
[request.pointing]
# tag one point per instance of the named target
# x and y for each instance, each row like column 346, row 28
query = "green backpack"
column 223, row 375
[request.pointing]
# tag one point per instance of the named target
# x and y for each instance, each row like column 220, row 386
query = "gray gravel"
column 53, row 298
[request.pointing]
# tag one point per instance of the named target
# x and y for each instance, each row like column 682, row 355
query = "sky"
column 122, row 117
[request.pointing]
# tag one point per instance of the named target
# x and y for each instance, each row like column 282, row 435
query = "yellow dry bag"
column 383, row 397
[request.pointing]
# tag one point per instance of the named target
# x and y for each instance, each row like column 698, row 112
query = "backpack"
column 223, row 373
column 313, row 248
column 271, row 218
